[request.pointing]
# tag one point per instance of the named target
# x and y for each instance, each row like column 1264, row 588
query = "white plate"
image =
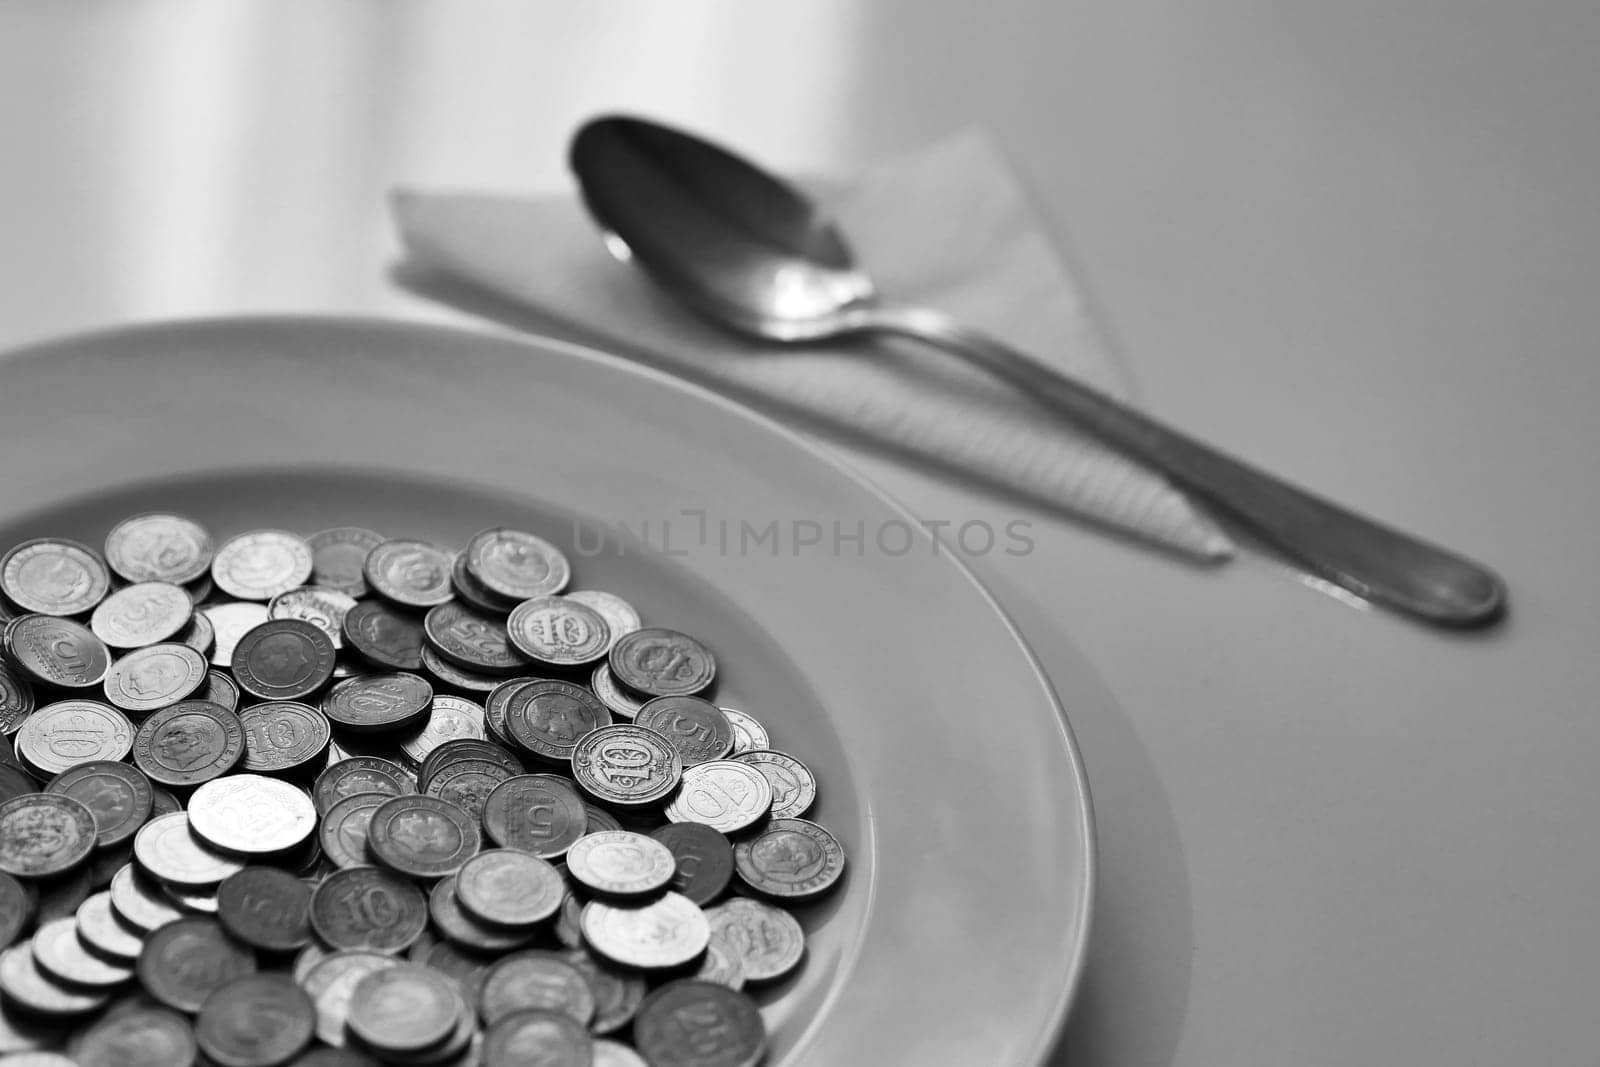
column 945, row 764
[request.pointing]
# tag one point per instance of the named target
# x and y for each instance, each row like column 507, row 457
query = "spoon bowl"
column 735, row 243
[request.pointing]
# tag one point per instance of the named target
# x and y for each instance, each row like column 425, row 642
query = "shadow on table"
column 1135, row 991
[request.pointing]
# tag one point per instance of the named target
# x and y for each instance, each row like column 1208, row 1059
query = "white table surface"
column 1358, row 241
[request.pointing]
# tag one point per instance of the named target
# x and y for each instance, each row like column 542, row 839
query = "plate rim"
column 1051, row 1030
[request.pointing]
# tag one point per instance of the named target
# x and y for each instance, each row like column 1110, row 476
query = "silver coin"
column 199, row 635
column 148, row 679
column 726, row 795
column 537, row 979
column 559, row 632
column 664, row 934
column 748, row 734
column 220, row 689
column 790, row 859
column 794, row 788
column 455, row 677
column 323, row 608
column 70, row 732
column 59, row 954
column 192, row 901
column 621, row 617
column 54, row 577
column 138, row 903
column 202, row 589
column 612, row 695
column 44, row 834
column 722, row 964
column 16, row 699
column 477, row 594
column 360, row 774
column 306, row 959
column 617, row 994
column 56, row 652
column 412, row 573
column 261, row 564
column 404, row 1010
column 690, row 1023
column 332, row 982
column 338, row 556
column 626, row 765
column 142, row 614
column 662, row 662
column 167, row 849
column 251, row 814
column 517, row 564
column 102, row 930
column 451, row 717
column 506, row 887
column 343, row 833
column 768, row 941
column 27, row 987
column 231, row 621
column 608, row 1053
column 695, row 727
column 159, row 548
column 619, row 863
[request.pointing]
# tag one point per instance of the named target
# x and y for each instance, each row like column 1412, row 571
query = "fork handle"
column 1373, row 561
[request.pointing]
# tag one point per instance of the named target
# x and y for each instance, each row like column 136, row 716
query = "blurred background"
column 169, row 157
column 1266, row 199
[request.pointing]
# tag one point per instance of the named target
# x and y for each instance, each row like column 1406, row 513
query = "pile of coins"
column 347, row 799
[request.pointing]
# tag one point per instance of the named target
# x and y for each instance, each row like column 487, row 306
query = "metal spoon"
column 751, row 252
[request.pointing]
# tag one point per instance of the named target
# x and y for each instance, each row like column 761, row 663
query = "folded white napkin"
column 947, row 227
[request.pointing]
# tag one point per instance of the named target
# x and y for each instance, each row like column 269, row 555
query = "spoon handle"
column 1363, row 556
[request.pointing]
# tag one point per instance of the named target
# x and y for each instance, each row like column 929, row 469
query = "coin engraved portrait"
column 285, row 658
column 58, row 577
column 109, row 801
column 469, row 791
column 261, row 564
column 559, row 717
column 425, row 831
column 154, row 675
column 384, row 630
column 788, row 856
column 186, row 742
